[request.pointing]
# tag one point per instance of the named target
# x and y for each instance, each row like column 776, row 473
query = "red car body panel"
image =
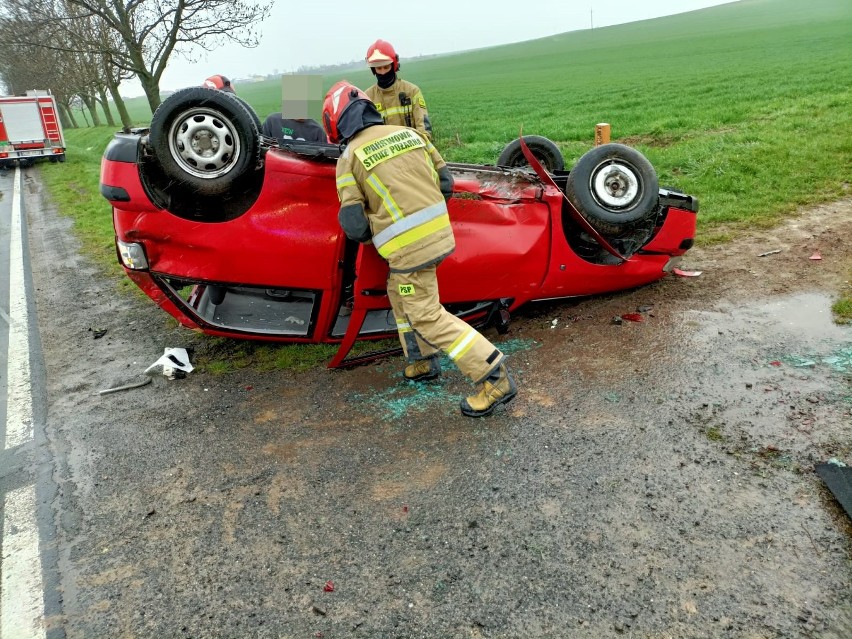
column 511, row 246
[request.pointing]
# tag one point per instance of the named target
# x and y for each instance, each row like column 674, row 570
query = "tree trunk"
column 152, row 90
column 105, row 105
column 85, row 119
column 119, row 102
column 93, row 108
column 66, row 116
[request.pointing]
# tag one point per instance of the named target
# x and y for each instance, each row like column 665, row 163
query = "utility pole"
column 592, row 18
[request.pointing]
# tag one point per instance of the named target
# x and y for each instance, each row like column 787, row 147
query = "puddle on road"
column 771, row 375
column 795, row 334
column 807, row 318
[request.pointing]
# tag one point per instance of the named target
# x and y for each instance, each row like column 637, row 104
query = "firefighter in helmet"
column 399, row 101
column 219, row 82
column 393, row 187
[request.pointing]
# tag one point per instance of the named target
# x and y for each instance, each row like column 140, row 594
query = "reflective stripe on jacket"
column 391, row 171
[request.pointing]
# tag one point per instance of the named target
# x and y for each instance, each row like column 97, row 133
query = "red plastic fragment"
column 775, row 363
column 329, row 586
column 816, row 256
column 633, row 317
column 405, row 508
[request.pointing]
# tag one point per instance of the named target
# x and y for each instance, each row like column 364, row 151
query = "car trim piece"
column 114, row 193
column 123, row 148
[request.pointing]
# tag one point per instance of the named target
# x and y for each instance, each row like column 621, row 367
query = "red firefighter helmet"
column 381, row 53
column 338, row 98
column 219, row 82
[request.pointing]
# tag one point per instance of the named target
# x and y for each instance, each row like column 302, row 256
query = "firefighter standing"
column 393, row 185
column 399, row 102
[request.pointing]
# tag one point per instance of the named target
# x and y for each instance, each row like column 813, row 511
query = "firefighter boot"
column 423, row 369
column 498, row 388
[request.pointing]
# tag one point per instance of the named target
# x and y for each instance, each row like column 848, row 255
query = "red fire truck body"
column 30, row 129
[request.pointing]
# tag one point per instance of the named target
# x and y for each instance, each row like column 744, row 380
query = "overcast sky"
column 338, row 31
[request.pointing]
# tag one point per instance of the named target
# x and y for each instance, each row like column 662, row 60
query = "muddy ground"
column 652, row 479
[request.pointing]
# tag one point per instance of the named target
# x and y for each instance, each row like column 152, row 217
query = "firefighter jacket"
column 389, row 103
column 391, row 174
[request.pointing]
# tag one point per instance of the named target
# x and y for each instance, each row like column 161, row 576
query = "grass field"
column 748, row 106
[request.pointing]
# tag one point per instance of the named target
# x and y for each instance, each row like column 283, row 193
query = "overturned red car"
column 236, row 235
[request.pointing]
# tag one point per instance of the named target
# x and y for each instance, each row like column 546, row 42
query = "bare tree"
column 130, row 37
column 48, row 46
column 150, row 31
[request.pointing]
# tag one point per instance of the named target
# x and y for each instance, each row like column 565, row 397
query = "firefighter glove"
column 446, row 182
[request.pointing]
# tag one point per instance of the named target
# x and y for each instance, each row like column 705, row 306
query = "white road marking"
column 19, row 413
column 22, row 612
column 21, row 604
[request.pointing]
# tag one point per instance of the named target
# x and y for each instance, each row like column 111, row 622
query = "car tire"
column 253, row 113
column 205, row 139
column 544, row 150
column 614, row 187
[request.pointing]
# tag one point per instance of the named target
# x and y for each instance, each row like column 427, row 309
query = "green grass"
column 219, row 356
column 74, row 189
column 842, row 308
column 747, row 106
column 714, row 434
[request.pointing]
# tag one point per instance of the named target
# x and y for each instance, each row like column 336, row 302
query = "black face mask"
column 386, row 81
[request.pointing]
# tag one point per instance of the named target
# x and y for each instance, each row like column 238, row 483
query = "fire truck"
column 30, row 129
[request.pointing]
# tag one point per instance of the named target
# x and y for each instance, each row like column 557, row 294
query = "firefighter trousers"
column 425, row 326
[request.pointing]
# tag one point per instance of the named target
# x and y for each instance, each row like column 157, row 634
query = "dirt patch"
column 736, row 269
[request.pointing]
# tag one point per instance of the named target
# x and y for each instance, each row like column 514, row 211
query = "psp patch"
column 406, row 289
column 374, row 153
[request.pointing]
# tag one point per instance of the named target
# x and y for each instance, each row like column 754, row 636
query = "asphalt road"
column 28, row 593
column 652, row 479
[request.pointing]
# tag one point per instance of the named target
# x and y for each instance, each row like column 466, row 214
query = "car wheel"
column 205, row 139
column 61, row 157
column 614, row 187
column 543, row 149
